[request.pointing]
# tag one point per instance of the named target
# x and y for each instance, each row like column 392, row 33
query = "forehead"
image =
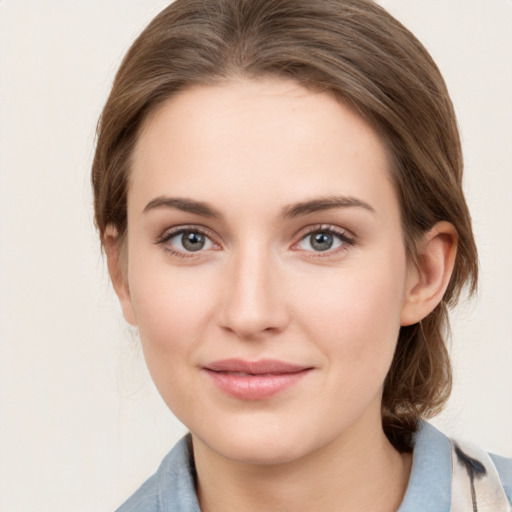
column 272, row 138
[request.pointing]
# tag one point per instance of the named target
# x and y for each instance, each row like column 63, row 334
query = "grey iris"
column 321, row 241
column 193, row 241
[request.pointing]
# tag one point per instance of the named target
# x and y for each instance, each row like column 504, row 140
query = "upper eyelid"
column 325, row 227
column 174, row 231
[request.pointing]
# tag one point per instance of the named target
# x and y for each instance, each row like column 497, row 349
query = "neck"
column 353, row 473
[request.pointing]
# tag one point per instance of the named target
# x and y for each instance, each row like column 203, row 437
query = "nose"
column 253, row 298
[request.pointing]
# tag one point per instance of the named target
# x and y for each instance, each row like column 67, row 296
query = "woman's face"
column 266, row 267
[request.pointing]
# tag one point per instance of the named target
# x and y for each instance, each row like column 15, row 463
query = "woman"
column 278, row 191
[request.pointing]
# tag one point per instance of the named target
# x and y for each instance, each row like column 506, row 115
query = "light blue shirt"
column 172, row 489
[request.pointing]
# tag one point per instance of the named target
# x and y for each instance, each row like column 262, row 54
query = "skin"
column 260, row 289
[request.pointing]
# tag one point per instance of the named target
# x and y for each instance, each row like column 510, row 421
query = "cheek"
column 172, row 308
column 169, row 327
column 169, row 308
column 355, row 317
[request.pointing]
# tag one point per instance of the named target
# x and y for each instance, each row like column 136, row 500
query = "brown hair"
column 357, row 51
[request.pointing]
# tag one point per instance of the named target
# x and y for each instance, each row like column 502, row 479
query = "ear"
column 117, row 268
column 428, row 279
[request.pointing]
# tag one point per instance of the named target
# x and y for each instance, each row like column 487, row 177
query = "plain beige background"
column 81, row 425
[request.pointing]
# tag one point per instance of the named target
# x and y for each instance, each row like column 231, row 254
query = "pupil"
column 322, row 241
column 193, row 241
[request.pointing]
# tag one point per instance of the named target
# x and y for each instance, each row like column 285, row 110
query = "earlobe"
column 118, row 271
column 428, row 279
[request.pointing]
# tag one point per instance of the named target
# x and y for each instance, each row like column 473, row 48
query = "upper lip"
column 261, row 367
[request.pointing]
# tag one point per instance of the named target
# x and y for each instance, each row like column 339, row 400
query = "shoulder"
column 171, row 488
column 444, row 470
column 145, row 499
column 504, row 468
column 488, row 478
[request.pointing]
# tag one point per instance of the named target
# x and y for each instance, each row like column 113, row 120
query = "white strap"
column 476, row 485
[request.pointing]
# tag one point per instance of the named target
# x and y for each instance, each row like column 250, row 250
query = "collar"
column 430, row 482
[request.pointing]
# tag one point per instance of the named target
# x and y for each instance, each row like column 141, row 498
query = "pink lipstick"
column 254, row 380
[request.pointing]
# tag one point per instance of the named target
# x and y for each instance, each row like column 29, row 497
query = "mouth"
column 255, row 380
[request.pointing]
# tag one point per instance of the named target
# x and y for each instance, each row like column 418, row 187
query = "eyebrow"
column 183, row 204
column 322, row 204
column 303, row 208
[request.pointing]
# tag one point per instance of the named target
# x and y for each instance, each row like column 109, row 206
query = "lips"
column 254, row 380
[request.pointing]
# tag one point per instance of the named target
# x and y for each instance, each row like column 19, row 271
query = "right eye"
column 186, row 241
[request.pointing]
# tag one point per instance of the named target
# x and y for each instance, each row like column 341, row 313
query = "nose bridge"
column 253, row 300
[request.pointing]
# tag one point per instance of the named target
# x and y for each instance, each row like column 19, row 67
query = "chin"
column 261, row 446
column 260, row 454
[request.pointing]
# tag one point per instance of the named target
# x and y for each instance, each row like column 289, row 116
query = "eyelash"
column 347, row 240
column 169, row 235
column 343, row 236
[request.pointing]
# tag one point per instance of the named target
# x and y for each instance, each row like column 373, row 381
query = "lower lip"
column 255, row 387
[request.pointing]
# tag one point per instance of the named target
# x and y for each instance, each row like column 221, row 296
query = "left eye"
column 322, row 240
column 189, row 241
